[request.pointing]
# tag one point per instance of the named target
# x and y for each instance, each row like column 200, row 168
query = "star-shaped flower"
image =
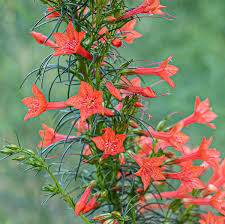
column 110, row 143
column 88, row 101
column 174, row 137
column 69, row 42
column 164, row 71
column 37, row 104
column 49, row 136
column 149, row 7
column 212, row 219
column 203, row 153
column 202, row 114
column 149, row 169
column 188, row 176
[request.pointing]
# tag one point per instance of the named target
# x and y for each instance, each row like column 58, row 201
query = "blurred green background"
column 197, row 39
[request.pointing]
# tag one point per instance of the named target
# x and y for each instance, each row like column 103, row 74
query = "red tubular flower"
column 188, row 176
column 174, row 137
column 216, row 201
column 40, row 39
column 164, row 71
column 49, row 136
column 38, row 104
column 91, row 205
column 110, row 143
column 108, row 113
column 143, row 91
column 203, row 153
column 113, row 90
column 212, row 219
column 181, row 192
column 149, row 7
column 133, row 124
column 117, row 43
column 147, row 147
column 111, row 19
column 119, row 106
column 136, row 82
column 102, row 218
column 53, row 15
column 81, row 204
column 88, row 101
column 128, row 31
column 56, row 14
column 134, row 86
column 149, row 169
column 202, row 114
column 69, row 42
column 218, row 178
column 81, row 126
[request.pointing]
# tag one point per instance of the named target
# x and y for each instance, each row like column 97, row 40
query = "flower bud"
column 103, row 194
column 6, row 151
column 117, row 43
column 161, row 125
column 37, row 168
column 12, row 147
column 30, row 151
column 133, row 124
column 111, row 19
column 51, row 188
column 20, row 158
column 111, row 221
column 102, row 217
column 34, row 163
column 116, row 215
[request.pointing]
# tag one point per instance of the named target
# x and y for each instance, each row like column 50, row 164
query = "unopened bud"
column 51, row 188
column 93, row 183
column 103, row 194
column 20, row 158
column 30, row 151
column 34, row 163
column 6, row 151
column 102, row 217
column 161, row 125
column 111, row 221
column 117, row 42
column 133, row 124
column 37, row 168
column 12, row 147
column 116, row 215
column 111, row 19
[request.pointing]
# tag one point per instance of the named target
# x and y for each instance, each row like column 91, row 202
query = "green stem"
column 63, row 193
column 68, row 200
column 59, row 187
column 97, row 75
column 85, row 219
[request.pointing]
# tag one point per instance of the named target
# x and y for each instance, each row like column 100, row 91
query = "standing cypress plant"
column 111, row 166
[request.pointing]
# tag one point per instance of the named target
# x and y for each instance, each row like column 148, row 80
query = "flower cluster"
column 131, row 171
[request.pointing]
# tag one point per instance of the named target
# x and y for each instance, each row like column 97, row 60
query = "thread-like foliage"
column 110, row 165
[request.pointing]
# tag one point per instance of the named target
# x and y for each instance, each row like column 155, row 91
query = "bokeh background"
column 197, row 39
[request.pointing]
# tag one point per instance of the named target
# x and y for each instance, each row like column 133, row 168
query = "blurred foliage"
column 197, row 39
